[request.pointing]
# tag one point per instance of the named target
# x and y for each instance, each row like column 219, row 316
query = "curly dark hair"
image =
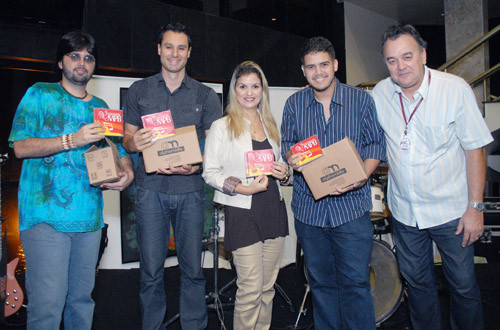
column 317, row 44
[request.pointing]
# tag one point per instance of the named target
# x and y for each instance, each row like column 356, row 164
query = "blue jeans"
column 416, row 262
column 337, row 260
column 60, row 276
column 153, row 211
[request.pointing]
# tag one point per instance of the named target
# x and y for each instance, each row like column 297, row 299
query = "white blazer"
column 225, row 157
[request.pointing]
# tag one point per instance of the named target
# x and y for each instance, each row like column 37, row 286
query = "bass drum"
column 385, row 280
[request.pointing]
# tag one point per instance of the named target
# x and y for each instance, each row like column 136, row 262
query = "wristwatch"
column 477, row 205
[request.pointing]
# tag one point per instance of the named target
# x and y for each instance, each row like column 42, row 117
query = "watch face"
column 477, row 205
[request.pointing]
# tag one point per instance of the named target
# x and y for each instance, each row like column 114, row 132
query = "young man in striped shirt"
column 335, row 232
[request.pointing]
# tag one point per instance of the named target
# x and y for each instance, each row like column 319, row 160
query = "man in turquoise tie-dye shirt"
column 60, row 213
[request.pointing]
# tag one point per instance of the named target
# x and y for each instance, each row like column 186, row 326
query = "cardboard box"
column 180, row 149
column 310, row 149
column 103, row 165
column 259, row 162
column 339, row 167
column 112, row 120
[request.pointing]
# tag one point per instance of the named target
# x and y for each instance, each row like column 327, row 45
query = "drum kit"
column 385, row 278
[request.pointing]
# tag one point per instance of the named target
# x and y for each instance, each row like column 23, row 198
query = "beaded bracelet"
column 71, row 141
column 64, row 142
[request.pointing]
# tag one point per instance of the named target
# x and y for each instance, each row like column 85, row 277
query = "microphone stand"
column 215, row 295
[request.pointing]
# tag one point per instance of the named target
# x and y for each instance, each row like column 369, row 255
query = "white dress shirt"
column 428, row 182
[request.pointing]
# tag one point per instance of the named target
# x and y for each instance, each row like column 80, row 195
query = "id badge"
column 405, row 143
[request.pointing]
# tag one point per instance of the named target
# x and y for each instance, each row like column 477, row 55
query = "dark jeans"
column 416, row 262
column 337, row 260
column 153, row 211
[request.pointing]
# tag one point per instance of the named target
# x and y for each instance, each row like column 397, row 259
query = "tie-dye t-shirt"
column 55, row 189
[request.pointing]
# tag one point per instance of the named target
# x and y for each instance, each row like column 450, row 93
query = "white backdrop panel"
column 108, row 88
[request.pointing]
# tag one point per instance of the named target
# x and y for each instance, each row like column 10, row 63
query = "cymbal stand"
column 302, row 310
column 215, row 295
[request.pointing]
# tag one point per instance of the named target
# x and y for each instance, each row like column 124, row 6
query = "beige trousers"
column 257, row 267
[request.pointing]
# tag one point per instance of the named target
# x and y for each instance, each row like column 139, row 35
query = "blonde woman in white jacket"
column 255, row 215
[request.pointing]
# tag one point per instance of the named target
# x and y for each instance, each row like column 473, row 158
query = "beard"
column 75, row 78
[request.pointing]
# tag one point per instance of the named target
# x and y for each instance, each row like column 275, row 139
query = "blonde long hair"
column 237, row 124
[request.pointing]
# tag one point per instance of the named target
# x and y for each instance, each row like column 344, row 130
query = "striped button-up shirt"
column 352, row 114
column 428, row 182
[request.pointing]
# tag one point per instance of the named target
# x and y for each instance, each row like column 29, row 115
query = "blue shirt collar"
column 336, row 98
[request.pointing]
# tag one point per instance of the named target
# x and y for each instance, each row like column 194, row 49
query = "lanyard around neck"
column 414, row 110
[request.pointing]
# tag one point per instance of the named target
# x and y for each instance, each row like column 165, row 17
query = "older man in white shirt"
column 435, row 146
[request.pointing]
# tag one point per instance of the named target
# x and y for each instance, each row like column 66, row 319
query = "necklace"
column 78, row 97
column 254, row 131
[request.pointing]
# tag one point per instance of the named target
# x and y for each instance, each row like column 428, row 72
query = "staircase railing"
column 483, row 78
column 467, row 50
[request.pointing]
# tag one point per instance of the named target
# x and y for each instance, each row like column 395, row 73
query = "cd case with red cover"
column 259, row 162
column 112, row 120
column 161, row 123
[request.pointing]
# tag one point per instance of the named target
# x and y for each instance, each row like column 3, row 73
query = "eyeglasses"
column 75, row 57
